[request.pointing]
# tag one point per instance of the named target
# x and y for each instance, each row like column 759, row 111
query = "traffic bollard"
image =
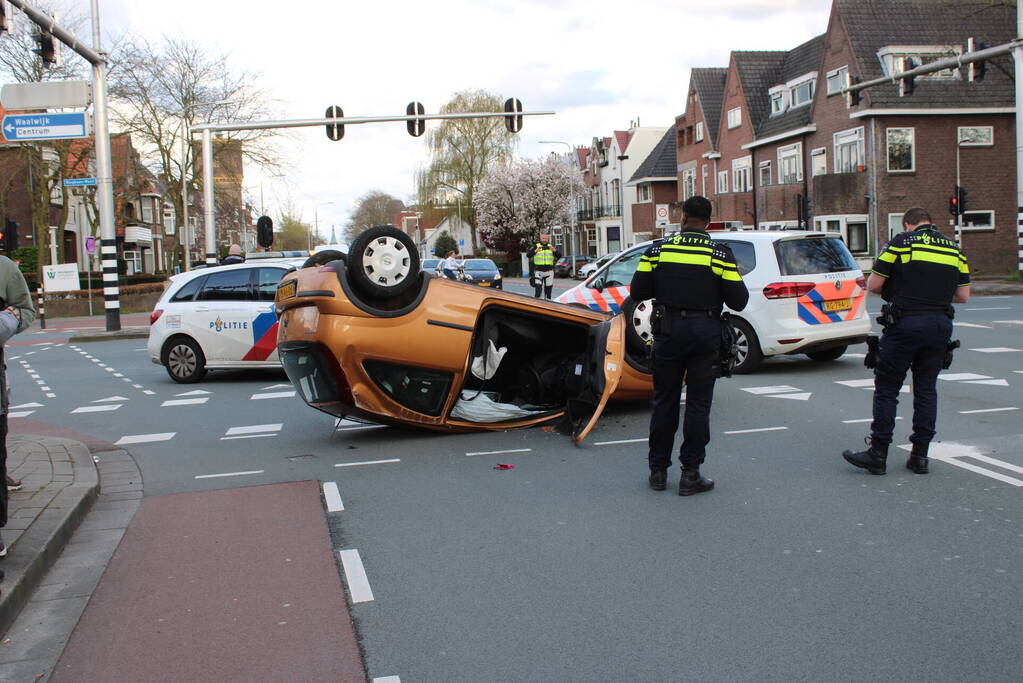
column 42, row 310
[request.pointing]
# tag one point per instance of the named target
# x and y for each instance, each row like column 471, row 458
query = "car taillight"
column 862, row 282
column 787, row 290
column 155, row 315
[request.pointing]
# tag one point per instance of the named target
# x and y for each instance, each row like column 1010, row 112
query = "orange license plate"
column 286, row 291
column 837, row 305
column 484, row 284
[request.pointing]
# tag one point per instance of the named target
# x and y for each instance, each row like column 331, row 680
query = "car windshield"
column 430, row 263
column 813, row 255
column 480, row 264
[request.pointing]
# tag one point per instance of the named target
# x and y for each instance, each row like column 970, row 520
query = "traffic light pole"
column 104, row 173
column 207, row 130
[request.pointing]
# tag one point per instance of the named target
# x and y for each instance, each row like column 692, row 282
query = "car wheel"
column 747, row 348
column 184, row 360
column 638, row 334
column 324, row 257
column 383, row 261
column 827, row 354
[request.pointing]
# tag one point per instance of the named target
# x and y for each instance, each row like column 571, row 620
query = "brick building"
column 790, row 152
column 656, row 188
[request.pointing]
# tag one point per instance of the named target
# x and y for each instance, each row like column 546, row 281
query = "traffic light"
column 962, row 197
column 513, row 122
column 953, row 202
column 416, row 127
column 975, row 70
column 48, row 46
column 264, row 231
column 335, row 131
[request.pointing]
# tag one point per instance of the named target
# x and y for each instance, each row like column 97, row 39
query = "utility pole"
column 104, row 172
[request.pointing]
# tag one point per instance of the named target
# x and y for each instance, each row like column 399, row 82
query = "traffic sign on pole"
column 78, row 182
column 32, row 127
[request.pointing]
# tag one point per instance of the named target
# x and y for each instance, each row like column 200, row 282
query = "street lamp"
column 571, row 200
column 316, row 218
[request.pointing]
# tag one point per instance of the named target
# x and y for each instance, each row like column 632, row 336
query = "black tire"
column 748, row 355
column 324, row 257
column 827, row 354
column 637, row 325
column 184, row 360
column 383, row 262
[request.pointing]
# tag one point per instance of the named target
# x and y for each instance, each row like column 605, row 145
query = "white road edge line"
column 620, row 441
column 355, row 576
column 511, row 450
column 332, row 496
column 366, row 462
column 751, row 431
column 227, row 474
column 986, row 410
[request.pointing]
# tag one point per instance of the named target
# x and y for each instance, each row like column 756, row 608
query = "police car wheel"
column 184, row 361
column 828, row 354
column 637, row 332
column 324, row 257
column 383, row 261
column 747, row 348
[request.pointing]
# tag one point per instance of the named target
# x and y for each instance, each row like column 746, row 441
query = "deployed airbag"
column 483, row 406
column 485, row 366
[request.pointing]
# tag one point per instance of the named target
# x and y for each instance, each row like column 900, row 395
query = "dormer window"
column 778, row 97
column 898, row 58
column 802, row 93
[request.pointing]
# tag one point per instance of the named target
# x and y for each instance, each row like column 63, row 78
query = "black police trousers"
column 917, row 342
column 686, row 347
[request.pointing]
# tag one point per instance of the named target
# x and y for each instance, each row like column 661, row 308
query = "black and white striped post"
column 111, row 292
column 42, row 309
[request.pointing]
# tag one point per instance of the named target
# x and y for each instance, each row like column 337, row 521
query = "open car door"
column 605, row 354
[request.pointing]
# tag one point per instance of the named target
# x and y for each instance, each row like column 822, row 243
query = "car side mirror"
column 598, row 284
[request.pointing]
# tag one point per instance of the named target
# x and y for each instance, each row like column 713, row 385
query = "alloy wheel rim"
column 386, row 261
column 182, row 361
column 741, row 346
column 641, row 321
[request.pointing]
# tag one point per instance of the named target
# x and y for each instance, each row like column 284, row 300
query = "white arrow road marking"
column 20, row 413
column 770, row 390
column 355, row 576
column 144, row 438
column 952, row 453
column 989, row 382
column 857, row 383
column 184, row 402
column 996, row 349
column 332, row 496
column 961, row 376
column 197, row 392
column 276, row 394
column 28, row 405
column 805, row 396
column 253, row 429
column 110, row 399
column 277, row 386
column 107, row 407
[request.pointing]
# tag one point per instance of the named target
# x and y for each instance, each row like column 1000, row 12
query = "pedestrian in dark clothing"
column 920, row 273
column 690, row 277
column 16, row 313
column 543, row 256
column 234, row 255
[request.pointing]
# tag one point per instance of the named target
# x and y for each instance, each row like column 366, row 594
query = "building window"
column 790, row 164
column 703, row 172
column 848, row 150
column 856, row 236
column 836, row 80
column 132, row 261
column 734, row 117
column 742, row 172
column 802, row 93
column 616, row 195
column 698, row 135
column 979, row 220
column 895, row 225
column 777, row 102
column 147, row 210
column 852, row 229
column 169, row 224
column 688, row 183
column 722, row 182
column 976, row 136
column 901, row 150
column 643, row 192
column 765, row 173
column 819, row 161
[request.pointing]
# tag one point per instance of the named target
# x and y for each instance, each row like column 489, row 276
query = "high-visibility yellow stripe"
column 887, row 256
column 963, row 268
column 724, row 264
column 689, row 259
column 894, row 248
column 731, row 276
column 644, row 267
column 951, row 250
column 686, row 247
column 928, row 257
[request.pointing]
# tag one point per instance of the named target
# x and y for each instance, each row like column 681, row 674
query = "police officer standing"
column 919, row 273
column 542, row 256
column 690, row 277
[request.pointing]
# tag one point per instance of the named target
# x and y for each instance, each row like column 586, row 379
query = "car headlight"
column 497, row 277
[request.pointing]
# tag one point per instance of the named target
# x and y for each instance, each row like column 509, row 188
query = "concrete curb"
column 123, row 333
column 44, row 540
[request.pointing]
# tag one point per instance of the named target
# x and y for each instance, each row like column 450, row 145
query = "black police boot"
column 873, row 459
column 692, row 482
column 659, row 479
column 917, row 461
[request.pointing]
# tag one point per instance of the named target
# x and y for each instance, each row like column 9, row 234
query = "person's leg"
column 926, row 366
column 3, row 470
column 548, row 288
column 537, row 284
column 696, row 425
column 667, row 378
column 449, row 274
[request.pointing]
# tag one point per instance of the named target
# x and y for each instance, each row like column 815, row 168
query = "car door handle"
column 202, row 309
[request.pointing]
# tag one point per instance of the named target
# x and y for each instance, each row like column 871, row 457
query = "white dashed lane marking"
column 619, row 441
column 355, row 576
column 105, row 408
column 110, row 399
column 367, row 462
column 276, row 394
column 144, row 438
column 197, row 392
column 332, row 497
column 961, row 376
column 228, row 474
column 997, row 349
column 252, row 432
column 184, row 402
column 510, row 450
column 987, row 410
column 753, row 431
column 780, row 389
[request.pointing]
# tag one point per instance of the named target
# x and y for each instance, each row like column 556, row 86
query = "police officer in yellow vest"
column 920, row 273
column 543, row 256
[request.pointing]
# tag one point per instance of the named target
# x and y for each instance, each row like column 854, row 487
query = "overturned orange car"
column 369, row 336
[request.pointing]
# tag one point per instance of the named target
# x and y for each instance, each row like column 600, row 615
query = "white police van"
column 218, row 318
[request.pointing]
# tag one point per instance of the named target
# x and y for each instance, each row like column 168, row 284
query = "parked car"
column 807, row 295
column 431, row 265
column 563, row 269
column 484, row 272
column 219, row 317
column 589, row 269
column 375, row 338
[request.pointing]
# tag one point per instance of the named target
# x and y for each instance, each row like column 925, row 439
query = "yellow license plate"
column 484, row 284
column 837, row 305
column 286, row 291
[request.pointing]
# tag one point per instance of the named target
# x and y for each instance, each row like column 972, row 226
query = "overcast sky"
column 598, row 64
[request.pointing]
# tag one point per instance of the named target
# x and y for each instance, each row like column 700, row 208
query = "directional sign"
column 78, row 182
column 19, row 127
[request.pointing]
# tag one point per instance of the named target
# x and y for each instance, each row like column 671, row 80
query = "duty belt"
column 680, row 313
column 921, row 312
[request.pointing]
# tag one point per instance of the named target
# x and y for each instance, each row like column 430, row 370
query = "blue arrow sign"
column 78, row 182
column 18, row 127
